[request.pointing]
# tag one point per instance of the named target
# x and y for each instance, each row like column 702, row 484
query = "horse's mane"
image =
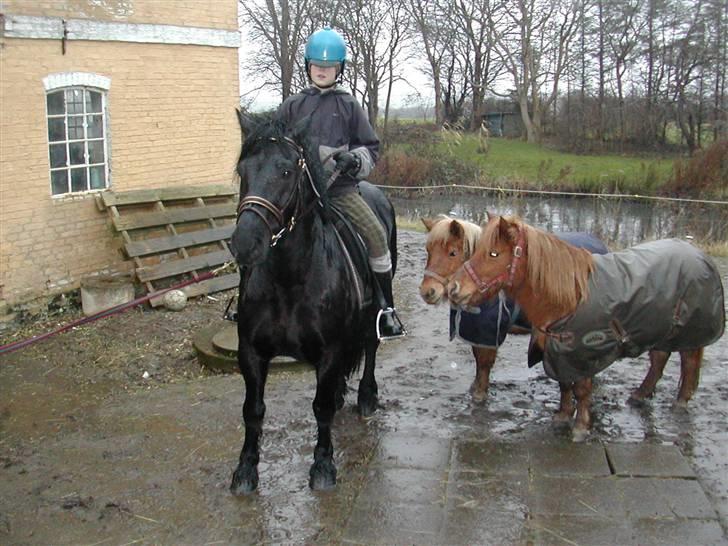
column 440, row 233
column 269, row 126
column 557, row 271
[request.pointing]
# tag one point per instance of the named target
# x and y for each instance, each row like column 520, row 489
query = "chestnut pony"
column 450, row 242
column 589, row 310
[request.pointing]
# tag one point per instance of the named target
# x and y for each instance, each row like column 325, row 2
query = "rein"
column 505, row 279
column 252, row 202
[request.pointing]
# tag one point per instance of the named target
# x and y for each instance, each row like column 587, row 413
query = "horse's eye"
column 493, row 254
column 286, row 173
column 453, row 253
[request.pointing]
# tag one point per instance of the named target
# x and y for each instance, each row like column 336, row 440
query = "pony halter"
column 505, row 279
column 253, row 202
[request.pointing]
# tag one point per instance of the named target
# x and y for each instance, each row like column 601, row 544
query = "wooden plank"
column 177, row 267
column 145, row 247
column 174, row 216
column 208, row 286
column 135, row 197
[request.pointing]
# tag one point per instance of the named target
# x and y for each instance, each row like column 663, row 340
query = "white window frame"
column 82, row 82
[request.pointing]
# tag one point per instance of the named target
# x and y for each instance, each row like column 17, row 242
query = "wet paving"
column 153, row 466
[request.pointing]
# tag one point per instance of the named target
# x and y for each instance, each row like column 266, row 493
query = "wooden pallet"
column 175, row 234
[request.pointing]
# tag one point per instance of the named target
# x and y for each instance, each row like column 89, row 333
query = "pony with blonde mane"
column 451, row 242
column 590, row 310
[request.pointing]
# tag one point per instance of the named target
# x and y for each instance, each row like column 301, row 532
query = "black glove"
column 347, row 162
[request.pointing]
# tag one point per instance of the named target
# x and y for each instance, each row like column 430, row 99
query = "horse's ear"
column 246, row 121
column 507, row 230
column 456, row 230
column 429, row 223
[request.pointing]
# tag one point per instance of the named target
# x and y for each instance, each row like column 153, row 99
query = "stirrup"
column 395, row 318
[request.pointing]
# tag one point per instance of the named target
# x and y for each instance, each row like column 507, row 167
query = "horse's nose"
column 427, row 293
column 453, row 290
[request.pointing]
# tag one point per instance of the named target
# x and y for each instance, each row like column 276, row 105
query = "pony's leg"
column 566, row 403
column 690, row 362
column 484, row 360
column 658, row 359
column 368, row 399
column 255, row 372
column 582, row 423
column 322, row 474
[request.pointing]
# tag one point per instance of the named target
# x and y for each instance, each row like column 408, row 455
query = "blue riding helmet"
column 325, row 47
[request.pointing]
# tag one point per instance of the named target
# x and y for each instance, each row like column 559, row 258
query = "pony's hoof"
column 680, row 405
column 322, row 475
column 579, row 435
column 245, row 480
column 479, row 396
column 637, row 398
column 561, row 417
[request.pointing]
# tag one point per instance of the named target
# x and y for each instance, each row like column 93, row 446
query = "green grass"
column 514, row 161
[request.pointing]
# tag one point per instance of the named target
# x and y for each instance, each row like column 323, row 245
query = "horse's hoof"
column 579, row 435
column 367, row 406
column 680, row 405
column 561, row 417
column 322, row 475
column 245, row 480
column 479, row 396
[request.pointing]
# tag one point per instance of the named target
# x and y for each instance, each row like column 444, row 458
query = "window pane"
column 78, row 179
column 74, row 101
column 56, row 104
column 94, row 127
column 76, row 151
column 59, row 182
column 75, row 127
column 56, row 129
column 58, row 155
column 96, row 151
column 98, row 178
column 93, row 101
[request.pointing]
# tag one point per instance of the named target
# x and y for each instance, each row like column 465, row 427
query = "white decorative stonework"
column 26, row 26
column 72, row 79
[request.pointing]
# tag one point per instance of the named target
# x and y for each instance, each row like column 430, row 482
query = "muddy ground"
column 94, row 452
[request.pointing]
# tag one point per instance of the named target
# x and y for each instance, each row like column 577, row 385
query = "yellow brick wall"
column 171, row 122
column 220, row 14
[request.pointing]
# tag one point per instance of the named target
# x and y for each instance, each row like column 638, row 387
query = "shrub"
column 704, row 174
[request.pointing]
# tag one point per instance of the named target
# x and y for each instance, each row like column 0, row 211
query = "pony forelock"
column 440, row 232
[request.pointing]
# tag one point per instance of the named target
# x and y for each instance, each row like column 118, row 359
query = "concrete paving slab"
column 649, row 460
column 569, row 459
column 576, row 497
column 387, row 523
column 553, row 530
column 494, row 458
column 413, row 452
column 659, row 532
column 404, row 485
column 685, row 497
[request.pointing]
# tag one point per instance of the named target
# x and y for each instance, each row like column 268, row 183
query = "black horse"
column 299, row 295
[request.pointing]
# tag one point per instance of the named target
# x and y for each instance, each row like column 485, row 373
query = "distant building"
column 120, row 94
column 504, row 124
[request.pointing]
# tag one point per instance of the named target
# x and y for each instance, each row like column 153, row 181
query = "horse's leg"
column 582, row 423
column 484, row 360
column 566, row 403
column 690, row 362
column 255, row 372
column 368, row 399
column 658, row 359
column 322, row 474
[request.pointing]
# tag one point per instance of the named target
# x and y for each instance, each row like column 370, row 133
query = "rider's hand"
column 347, row 162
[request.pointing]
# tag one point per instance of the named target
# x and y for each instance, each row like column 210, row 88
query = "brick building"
column 120, row 94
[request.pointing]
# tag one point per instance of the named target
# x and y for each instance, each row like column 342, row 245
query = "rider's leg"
column 375, row 237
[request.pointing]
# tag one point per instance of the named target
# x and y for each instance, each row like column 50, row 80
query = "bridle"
column 503, row 280
column 259, row 205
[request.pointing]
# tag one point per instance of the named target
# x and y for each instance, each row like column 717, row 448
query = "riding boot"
column 389, row 324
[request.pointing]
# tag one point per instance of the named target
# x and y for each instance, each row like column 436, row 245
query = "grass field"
column 517, row 162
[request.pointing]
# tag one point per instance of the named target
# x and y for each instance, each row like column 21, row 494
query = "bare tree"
column 534, row 42
column 278, row 28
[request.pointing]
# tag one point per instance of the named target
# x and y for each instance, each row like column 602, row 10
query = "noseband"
column 254, row 203
column 503, row 280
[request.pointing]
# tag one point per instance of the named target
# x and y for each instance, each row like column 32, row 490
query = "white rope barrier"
column 559, row 193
